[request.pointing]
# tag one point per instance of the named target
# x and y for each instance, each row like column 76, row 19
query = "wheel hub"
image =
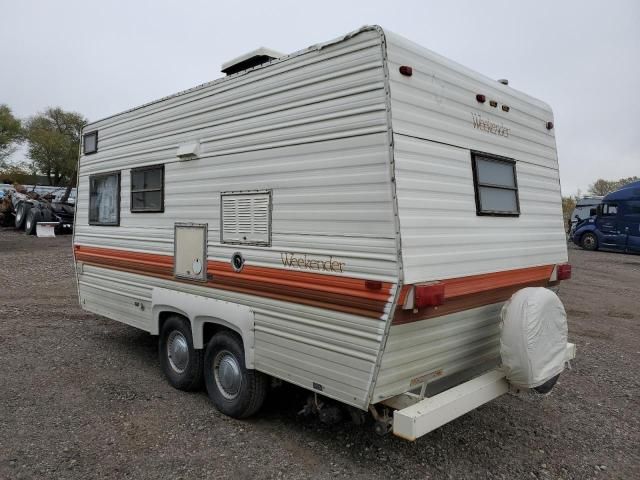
column 227, row 374
column 178, row 351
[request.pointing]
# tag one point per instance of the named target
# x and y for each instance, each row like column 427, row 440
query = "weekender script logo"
column 489, row 126
column 292, row 260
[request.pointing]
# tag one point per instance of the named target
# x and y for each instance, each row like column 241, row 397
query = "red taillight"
column 373, row 284
column 429, row 294
column 406, row 70
column 481, row 98
column 564, row 271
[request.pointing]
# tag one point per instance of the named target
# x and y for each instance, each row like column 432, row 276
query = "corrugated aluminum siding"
column 442, row 237
column 313, row 130
column 446, row 345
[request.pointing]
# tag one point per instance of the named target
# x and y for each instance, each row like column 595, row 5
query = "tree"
column 54, row 140
column 602, row 187
column 10, row 134
column 568, row 204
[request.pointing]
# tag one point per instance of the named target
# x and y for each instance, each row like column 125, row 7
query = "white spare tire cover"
column 534, row 337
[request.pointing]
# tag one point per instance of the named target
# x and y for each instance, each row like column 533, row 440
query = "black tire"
column 547, row 386
column 47, row 216
column 33, row 217
column 183, row 368
column 237, row 399
column 22, row 210
column 589, row 241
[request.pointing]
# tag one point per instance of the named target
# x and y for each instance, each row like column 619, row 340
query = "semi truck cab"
column 616, row 225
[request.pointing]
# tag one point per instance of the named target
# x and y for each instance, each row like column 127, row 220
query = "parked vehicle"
column 585, row 207
column 616, row 225
column 350, row 218
column 25, row 208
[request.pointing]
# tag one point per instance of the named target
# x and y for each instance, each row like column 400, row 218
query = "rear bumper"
column 426, row 415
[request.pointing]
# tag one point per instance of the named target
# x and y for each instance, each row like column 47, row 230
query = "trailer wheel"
column 589, row 241
column 547, row 386
column 21, row 213
column 181, row 363
column 233, row 389
column 33, row 217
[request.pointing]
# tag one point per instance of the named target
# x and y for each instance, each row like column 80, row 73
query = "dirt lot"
column 83, row 397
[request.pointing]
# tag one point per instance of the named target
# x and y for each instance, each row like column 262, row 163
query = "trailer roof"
column 319, row 46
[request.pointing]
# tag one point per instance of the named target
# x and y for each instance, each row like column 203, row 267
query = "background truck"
column 24, row 206
column 616, row 223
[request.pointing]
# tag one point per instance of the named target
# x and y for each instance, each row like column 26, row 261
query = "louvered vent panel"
column 246, row 218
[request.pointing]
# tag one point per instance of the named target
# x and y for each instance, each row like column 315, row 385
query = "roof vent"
column 250, row 60
column 504, row 81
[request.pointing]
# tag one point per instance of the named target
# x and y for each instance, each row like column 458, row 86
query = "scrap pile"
column 23, row 209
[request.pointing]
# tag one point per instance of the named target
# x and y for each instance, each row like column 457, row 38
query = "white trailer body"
column 350, row 178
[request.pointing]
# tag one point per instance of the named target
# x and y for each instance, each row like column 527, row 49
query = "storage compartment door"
column 190, row 251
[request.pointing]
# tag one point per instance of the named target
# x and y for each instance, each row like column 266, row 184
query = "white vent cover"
column 246, row 218
column 250, row 60
column 189, row 150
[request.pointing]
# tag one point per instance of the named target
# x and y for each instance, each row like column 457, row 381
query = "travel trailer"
column 350, row 218
column 615, row 224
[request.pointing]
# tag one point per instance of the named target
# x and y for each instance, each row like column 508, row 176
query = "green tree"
column 10, row 134
column 54, row 139
column 568, row 204
column 602, row 186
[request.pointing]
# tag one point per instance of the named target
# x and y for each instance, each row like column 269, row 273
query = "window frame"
column 607, row 205
column 84, row 142
column 118, row 173
column 475, row 155
column 161, row 189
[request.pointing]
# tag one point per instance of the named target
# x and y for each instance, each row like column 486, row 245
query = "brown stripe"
column 344, row 294
column 465, row 302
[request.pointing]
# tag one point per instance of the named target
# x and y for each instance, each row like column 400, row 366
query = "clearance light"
column 564, row 271
column 481, row 98
column 429, row 294
column 406, row 70
column 549, row 125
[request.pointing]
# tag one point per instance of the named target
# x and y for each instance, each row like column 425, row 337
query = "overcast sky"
column 99, row 58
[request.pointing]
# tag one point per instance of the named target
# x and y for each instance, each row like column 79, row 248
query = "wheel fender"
column 202, row 310
column 577, row 235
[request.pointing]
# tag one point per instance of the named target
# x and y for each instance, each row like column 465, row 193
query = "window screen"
column 495, row 184
column 246, row 218
column 104, row 199
column 147, row 189
column 90, row 142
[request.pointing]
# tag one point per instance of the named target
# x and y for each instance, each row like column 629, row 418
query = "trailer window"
column 90, row 143
column 495, row 184
column 104, row 199
column 147, row 189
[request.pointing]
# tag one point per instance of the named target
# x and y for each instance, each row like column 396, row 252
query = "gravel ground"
column 83, row 397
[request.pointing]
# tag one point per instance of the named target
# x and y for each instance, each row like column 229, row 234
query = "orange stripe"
column 474, row 291
column 345, row 294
